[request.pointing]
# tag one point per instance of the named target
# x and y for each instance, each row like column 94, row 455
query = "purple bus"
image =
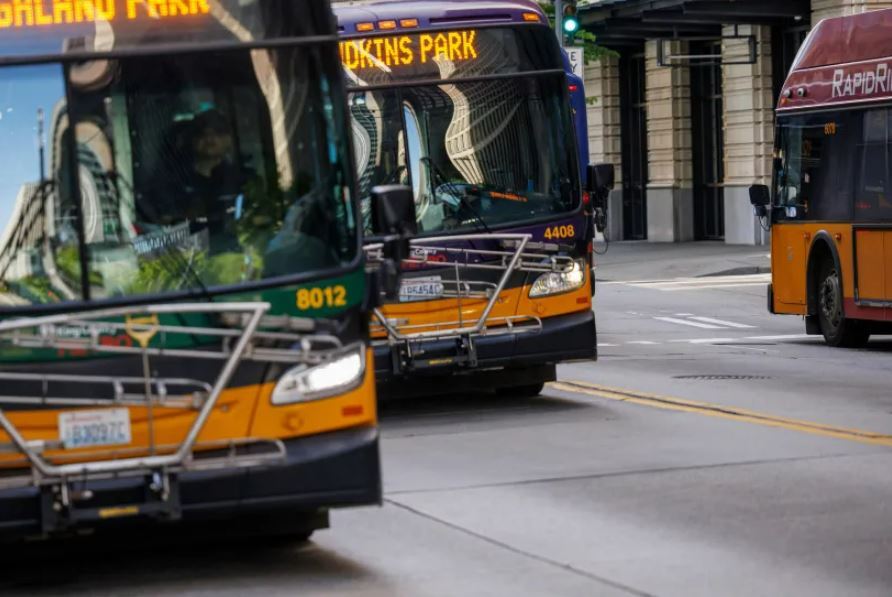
column 471, row 105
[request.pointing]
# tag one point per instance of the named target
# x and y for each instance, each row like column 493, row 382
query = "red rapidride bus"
column 830, row 207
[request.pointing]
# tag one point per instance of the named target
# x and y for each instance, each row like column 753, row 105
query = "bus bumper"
column 563, row 338
column 319, row 472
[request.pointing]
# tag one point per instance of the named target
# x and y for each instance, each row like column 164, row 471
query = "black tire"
column 526, row 391
column 837, row 330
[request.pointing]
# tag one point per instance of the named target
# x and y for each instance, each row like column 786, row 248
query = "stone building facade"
column 689, row 137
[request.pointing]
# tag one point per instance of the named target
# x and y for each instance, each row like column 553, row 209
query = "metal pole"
column 41, row 144
column 559, row 21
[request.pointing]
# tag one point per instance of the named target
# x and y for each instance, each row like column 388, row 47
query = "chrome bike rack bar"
column 84, row 331
column 440, row 253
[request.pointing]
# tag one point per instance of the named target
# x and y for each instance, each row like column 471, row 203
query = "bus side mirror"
column 760, row 198
column 393, row 218
column 601, row 178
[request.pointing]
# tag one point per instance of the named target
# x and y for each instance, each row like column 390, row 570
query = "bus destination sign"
column 26, row 14
column 409, row 50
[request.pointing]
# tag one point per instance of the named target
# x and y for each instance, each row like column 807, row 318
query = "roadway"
column 713, row 450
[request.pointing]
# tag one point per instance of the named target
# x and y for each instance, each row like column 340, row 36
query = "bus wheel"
column 526, row 391
column 837, row 330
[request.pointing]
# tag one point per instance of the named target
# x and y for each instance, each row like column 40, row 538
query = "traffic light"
column 570, row 20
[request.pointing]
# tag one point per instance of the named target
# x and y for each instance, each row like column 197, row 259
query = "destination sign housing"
column 26, row 14
column 409, row 50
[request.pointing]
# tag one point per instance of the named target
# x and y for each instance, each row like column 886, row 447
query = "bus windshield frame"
column 412, row 115
column 302, row 182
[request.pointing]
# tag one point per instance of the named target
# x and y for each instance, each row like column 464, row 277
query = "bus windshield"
column 476, row 121
column 476, row 154
column 164, row 174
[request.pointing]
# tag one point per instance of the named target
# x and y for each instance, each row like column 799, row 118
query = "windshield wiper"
column 454, row 190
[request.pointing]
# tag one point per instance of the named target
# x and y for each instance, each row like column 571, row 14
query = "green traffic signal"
column 571, row 25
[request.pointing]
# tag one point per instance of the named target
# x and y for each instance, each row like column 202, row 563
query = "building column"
column 670, row 195
column 602, row 87
column 823, row 9
column 749, row 130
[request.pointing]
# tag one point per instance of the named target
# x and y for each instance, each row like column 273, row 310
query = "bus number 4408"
column 558, row 232
column 318, row 298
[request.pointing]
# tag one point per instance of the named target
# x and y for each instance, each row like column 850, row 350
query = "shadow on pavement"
column 171, row 561
column 878, row 344
column 474, row 404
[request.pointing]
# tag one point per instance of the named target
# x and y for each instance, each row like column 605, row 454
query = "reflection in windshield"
column 193, row 171
column 479, row 154
column 38, row 240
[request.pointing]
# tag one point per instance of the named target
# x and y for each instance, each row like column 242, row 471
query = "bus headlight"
column 556, row 283
column 305, row 383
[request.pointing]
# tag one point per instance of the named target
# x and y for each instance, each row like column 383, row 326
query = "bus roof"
column 846, row 61
column 433, row 13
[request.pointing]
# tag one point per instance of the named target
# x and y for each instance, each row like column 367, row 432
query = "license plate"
column 90, row 428
column 421, row 289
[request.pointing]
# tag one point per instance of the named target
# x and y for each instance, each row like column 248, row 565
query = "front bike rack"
column 408, row 343
column 233, row 335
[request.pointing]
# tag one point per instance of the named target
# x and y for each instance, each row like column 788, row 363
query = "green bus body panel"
column 347, row 290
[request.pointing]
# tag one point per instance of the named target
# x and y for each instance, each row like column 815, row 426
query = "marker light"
column 409, row 23
column 363, row 27
column 386, row 25
column 557, row 283
column 305, row 383
column 531, row 17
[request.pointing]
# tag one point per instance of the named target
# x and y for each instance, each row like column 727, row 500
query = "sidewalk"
column 641, row 260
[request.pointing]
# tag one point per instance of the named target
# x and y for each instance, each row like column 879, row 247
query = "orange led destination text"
column 39, row 13
column 406, row 50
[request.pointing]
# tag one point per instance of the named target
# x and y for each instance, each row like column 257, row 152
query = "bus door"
column 873, row 209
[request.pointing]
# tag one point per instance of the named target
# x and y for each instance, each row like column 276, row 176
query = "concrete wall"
column 749, row 130
column 602, row 86
column 822, row 9
column 669, row 191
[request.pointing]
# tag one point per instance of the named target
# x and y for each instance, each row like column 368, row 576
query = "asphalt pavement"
column 713, row 450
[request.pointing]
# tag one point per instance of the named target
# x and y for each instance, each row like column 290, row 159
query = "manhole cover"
column 721, row 377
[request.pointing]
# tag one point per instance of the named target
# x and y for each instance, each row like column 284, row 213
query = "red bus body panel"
column 845, row 61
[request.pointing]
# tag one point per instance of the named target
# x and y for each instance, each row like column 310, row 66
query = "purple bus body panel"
column 442, row 13
column 580, row 121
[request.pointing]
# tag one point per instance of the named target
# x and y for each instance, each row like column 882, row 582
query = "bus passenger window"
column 817, row 166
column 874, row 191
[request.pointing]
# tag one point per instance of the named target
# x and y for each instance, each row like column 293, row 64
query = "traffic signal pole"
column 559, row 21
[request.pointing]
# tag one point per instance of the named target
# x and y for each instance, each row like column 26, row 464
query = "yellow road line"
column 722, row 412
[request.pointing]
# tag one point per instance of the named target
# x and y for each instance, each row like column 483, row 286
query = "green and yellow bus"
column 183, row 294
